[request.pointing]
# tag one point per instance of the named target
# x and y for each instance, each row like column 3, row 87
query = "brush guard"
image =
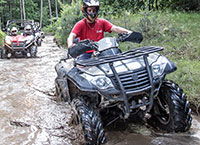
column 143, row 51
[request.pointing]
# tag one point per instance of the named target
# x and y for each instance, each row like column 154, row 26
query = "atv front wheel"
column 59, row 94
column 92, row 127
column 3, row 53
column 33, row 51
column 39, row 42
column 171, row 111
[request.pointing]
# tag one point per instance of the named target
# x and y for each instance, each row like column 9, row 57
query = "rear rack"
column 122, row 56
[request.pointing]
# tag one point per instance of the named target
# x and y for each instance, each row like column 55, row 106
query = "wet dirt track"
column 29, row 113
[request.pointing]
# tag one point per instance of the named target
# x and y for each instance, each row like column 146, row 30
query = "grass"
column 188, row 78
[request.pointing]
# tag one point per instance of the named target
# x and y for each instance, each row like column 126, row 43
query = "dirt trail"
column 29, row 113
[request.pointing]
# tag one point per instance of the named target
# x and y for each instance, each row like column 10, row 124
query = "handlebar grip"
column 78, row 49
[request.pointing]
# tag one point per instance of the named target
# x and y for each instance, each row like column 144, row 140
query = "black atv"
column 115, row 85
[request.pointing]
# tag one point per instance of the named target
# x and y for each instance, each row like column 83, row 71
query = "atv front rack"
column 121, row 56
column 144, row 51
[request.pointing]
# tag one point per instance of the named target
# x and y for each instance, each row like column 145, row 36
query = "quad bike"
column 19, row 45
column 39, row 35
column 115, row 85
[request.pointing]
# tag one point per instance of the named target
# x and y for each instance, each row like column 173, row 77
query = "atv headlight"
column 102, row 82
column 8, row 42
column 158, row 66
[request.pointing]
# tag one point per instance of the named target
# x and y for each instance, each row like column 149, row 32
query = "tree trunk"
column 21, row 11
column 156, row 4
column 10, row 9
column 50, row 13
column 20, row 2
column 23, row 8
column 56, row 6
column 41, row 12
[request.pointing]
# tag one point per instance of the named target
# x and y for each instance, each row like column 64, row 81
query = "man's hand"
column 78, row 49
column 70, row 40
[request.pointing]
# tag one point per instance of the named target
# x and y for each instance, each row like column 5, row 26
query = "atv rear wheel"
column 92, row 127
column 3, row 53
column 171, row 111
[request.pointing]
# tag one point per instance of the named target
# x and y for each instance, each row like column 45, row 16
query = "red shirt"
column 92, row 31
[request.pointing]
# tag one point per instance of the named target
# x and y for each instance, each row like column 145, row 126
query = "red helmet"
column 90, row 3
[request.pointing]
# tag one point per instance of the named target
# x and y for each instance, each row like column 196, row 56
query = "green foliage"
column 115, row 7
column 2, row 36
column 32, row 10
column 188, row 5
column 10, row 9
column 45, row 18
column 64, row 24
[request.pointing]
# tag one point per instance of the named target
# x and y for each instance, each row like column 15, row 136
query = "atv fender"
column 80, row 82
column 170, row 67
column 67, row 73
column 63, row 67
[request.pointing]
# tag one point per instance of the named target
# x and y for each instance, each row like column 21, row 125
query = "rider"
column 13, row 31
column 91, row 27
column 27, row 30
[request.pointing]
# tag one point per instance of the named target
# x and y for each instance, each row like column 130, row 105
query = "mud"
column 30, row 114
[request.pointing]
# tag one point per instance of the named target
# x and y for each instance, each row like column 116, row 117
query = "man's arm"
column 118, row 29
column 70, row 39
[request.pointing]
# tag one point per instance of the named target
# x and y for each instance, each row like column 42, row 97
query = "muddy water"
column 29, row 113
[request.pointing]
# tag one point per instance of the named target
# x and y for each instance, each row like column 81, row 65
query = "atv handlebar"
column 81, row 47
column 134, row 37
column 86, row 45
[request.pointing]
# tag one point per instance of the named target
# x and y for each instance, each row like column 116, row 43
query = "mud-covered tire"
column 33, row 51
column 92, row 127
column 39, row 42
column 171, row 111
column 59, row 94
column 3, row 53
